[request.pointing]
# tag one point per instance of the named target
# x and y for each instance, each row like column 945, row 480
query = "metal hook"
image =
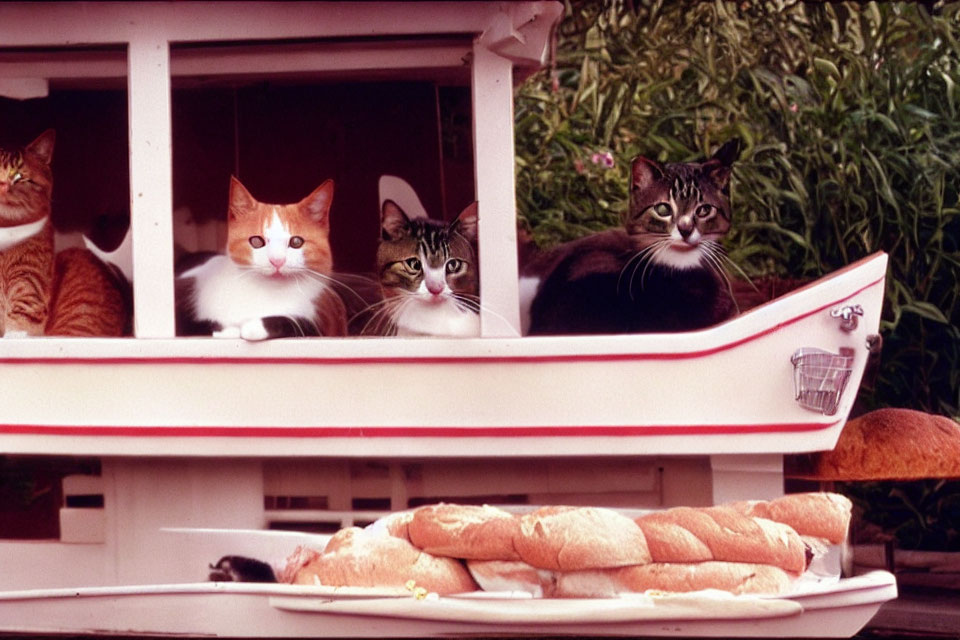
column 848, row 316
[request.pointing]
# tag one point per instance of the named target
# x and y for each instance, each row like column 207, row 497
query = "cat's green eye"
column 257, row 242
column 662, row 209
column 296, row 242
column 412, row 263
column 454, row 265
column 704, row 211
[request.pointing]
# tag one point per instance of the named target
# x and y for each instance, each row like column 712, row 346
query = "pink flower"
column 605, row 159
column 794, row 108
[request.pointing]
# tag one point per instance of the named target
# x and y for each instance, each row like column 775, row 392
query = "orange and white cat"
column 42, row 293
column 274, row 280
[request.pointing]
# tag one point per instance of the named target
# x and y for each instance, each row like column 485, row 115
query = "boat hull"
column 728, row 389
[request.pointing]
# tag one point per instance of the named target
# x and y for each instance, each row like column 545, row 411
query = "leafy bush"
column 849, row 114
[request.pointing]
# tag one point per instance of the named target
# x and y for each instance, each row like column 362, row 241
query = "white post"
column 151, row 186
column 494, row 162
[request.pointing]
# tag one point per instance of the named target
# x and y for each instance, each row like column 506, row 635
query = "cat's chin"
column 679, row 257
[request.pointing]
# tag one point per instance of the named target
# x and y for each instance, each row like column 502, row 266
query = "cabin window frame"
column 149, row 32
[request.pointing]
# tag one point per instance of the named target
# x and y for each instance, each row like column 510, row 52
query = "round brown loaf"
column 355, row 558
column 465, row 531
column 571, row 538
column 687, row 534
column 887, row 444
column 735, row 577
column 820, row 514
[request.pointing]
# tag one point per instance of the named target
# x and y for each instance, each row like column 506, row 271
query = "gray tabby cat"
column 661, row 272
column 428, row 276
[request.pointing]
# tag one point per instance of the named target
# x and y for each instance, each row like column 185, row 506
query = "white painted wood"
column 497, row 222
column 746, row 477
column 146, row 497
column 151, row 186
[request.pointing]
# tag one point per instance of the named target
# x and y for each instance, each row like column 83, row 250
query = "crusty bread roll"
column 735, row 577
column 357, row 558
column 687, row 534
column 395, row 524
column 465, row 531
column 301, row 557
column 820, row 514
column 571, row 538
column 887, row 444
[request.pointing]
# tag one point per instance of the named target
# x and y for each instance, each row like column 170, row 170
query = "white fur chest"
column 230, row 296
column 445, row 319
column 12, row 236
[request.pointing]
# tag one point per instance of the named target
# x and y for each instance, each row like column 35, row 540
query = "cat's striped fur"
column 70, row 294
column 428, row 275
column 662, row 271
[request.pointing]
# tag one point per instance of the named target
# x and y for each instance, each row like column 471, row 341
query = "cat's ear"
column 466, row 222
column 393, row 221
column 729, row 152
column 645, row 172
column 42, row 147
column 317, row 204
column 719, row 166
column 241, row 202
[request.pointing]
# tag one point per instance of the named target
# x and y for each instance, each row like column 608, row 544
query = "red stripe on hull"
column 408, row 432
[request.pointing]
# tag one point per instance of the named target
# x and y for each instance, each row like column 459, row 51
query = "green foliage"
column 849, row 115
column 924, row 514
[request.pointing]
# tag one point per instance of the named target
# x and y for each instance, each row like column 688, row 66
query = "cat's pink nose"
column 436, row 288
column 277, row 262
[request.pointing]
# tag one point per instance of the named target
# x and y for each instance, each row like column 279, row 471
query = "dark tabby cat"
column 70, row 294
column 428, row 275
column 274, row 280
column 661, row 272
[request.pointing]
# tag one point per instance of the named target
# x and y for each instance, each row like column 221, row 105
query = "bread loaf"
column 820, row 514
column 686, row 534
column 356, row 558
column 465, row 531
column 396, row 524
column 735, row 577
column 571, row 538
column 301, row 557
column 887, row 444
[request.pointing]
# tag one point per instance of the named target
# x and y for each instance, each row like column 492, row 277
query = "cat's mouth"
column 434, row 298
column 683, row 245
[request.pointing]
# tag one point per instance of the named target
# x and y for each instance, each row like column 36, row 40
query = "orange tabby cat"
column 71, row 294
column 274, row 280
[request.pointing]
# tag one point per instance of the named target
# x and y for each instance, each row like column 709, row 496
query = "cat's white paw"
column 253, row 330
column 227, row 332
column 16, row 334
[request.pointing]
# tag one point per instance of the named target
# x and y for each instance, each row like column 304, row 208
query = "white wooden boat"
column 222, row 434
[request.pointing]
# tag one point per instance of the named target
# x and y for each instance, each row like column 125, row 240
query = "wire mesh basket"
column 819, row 377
